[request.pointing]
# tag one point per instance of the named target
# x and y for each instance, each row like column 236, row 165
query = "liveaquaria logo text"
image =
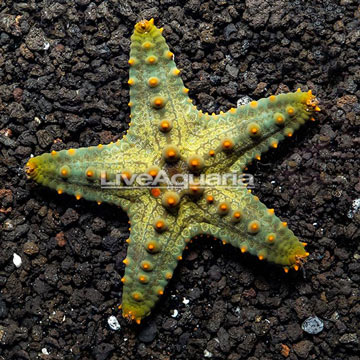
column 180, row 181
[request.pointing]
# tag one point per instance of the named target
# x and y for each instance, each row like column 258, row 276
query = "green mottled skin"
column 192, row 133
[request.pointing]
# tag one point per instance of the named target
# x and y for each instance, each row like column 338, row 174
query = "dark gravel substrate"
column 63, row 83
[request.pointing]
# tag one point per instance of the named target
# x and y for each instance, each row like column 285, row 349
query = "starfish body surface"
column 167, row 134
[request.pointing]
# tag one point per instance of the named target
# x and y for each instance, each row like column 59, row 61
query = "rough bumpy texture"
column 168, row 133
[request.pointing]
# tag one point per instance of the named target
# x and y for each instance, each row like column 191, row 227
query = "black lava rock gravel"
column 63, row 83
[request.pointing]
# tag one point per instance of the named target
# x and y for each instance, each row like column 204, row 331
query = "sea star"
column 169, row 136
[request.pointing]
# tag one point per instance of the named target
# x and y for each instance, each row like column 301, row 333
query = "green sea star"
column 167, row 133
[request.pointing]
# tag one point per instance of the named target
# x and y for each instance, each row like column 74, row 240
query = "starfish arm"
column 156, row 244
column 239, row 218
column 158, row 99
column 95, row 173
column 236, row 138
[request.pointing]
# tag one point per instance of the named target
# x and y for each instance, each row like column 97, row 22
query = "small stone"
column 230, row 32
column 69, row 217
column 35, row 39
column 148, row 333
column 17, row 260
column 3, row 309
column 243, row 101
column 30, row 248
column 60, row 239
column 185, row 301
column 169, row 324
column 313, row 325
column 349, row 338
column 113, row 323
column 303, row 348
column 57, row 317
column 175, row 313
column 103, row 351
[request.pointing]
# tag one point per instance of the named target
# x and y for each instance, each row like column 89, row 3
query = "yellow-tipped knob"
column 158, row 102
column 236, row 216
column 254, row 227
column 279, row 119
column 210, row 199
column 171, row 153
column 169, row 55
column 254, row 104
column 253, row 129
column 288, row 132
column 165, row 125
column 90, row 173
column 270, row 238
column 152, row 247
column 195, row 163
column 151, row 60
column 227, row 144
column 170, row 199
column 137, row 296
column 153, row 82
column 143, row 279
column 223, row 208
column 290, row 110
column 64, row 171
column 153, row 171
column 155, row 192
column 144, row 26
column 160, row 225
column 146, row 266
column 71, row 152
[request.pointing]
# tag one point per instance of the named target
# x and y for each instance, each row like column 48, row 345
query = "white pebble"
column 113, row 323
column 185, row 301
column 355, row 208
column 17, row 260
column 313, row 325
column 46, row 46
column 207, row 354
column 45, row 351
column 243, row 100
column 175, row 313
